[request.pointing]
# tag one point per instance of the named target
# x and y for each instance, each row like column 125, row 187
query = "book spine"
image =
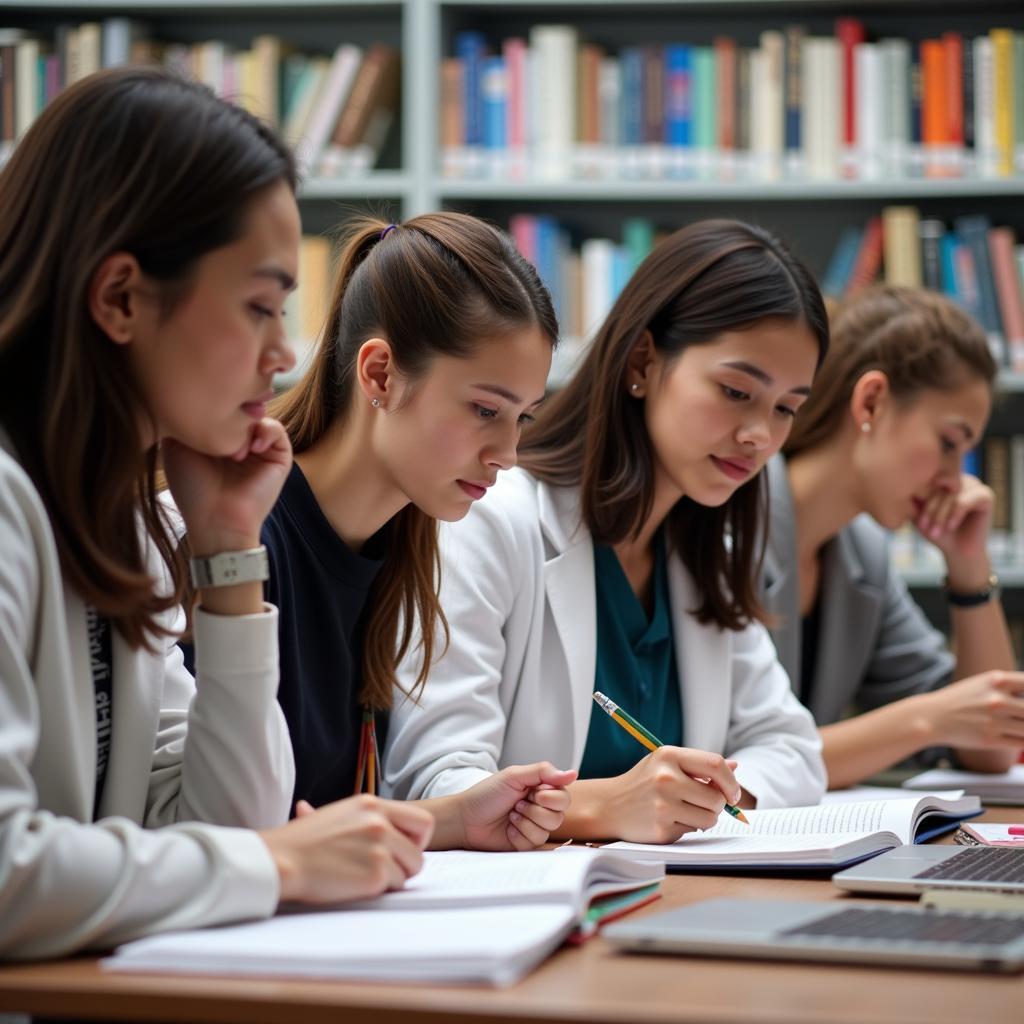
column 967, row 92
column 973, row 231
column 470, row 48
column 793, row 99
column 1002, row 98
column 930, row 233
column 678, row 107
column 494, row 92
column 1018, row 102
column 849, row 33
column 986, row 156
column 840, row 265
column 773, row 103
column 953, row 51
column 901, row 247
column 935, row 120
column 725, row 69
column 869, row 258
column 1008, row 294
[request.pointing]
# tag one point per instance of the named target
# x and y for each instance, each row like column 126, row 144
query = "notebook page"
column 831, row 819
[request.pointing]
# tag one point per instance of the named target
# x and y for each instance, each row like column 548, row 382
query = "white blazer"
column 180, row 755
column 517, row 587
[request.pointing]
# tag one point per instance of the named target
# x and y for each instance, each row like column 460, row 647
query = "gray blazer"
column 875, row 645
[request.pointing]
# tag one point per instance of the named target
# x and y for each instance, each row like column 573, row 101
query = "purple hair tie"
column 390, row 227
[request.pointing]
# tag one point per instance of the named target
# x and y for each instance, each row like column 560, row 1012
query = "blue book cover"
column 622, row 269
column 947, row 267
column 973, row 231
column 548, row 263
column 632, row 60
column 494, row 90
column 972, row 462
column 840, row 266
column 678, row 95
column 470, row 48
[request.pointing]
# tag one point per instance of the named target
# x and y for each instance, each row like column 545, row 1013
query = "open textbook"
column 826, row 836
column 468, row 917
column 1000, row 788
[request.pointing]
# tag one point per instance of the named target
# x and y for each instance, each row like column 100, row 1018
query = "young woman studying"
column 905, row 391
column 620, row 558
column 435, row 353
column 148, row 240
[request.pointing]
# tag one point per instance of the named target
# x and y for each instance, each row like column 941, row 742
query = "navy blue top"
column 636, row 666
column 321, row 588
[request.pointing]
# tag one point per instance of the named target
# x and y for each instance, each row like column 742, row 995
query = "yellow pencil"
column 644, row 736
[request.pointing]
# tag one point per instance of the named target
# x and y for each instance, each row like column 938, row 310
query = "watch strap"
column 230, row 568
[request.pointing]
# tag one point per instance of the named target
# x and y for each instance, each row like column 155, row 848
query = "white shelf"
column 379, row 184
column 754, row 191
column 1011, row 383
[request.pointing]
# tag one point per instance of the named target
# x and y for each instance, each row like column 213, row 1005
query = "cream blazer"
column 517, row 587
column 192, row 768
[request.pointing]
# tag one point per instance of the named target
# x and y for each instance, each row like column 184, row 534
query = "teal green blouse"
column 636, row 666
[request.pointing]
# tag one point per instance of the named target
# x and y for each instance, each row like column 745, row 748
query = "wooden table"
column 588, row 983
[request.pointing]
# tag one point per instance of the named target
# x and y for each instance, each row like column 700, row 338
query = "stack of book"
column 335, row 109
column 978, row 265
column 821, row 107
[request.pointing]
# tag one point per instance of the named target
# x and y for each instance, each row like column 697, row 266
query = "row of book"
column 335, row 109
column 978, row 265
column 800, row 106
column 999, row 461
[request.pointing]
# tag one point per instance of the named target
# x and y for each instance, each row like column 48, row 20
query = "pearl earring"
column 634, row 388
column 865, row 427
column 375, row 402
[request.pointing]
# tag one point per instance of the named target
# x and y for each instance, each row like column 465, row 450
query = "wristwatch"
column 230, row 567
column 971, row 600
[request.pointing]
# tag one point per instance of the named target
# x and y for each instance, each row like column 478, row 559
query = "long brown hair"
column 920, row 340
column 437, row 284
column 711, row 277
column 134, row 160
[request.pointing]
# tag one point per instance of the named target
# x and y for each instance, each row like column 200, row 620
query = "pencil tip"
column 740, row 816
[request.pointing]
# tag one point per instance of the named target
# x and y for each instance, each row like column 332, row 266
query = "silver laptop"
column 838, row 930
column 913, row 869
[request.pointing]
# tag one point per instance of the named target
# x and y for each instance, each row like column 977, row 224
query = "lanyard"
column 100, row 661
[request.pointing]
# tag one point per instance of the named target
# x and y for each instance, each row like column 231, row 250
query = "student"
column 436, row 350
column 620, row 558
column 148, row 240
column 905, row 392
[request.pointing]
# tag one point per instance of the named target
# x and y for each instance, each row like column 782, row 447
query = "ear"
column 376, row 371
column 114, row 294
column 639, row 365
column 869, row 398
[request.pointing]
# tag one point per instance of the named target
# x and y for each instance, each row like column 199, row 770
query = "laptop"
column 854, row 932
column 914, row 869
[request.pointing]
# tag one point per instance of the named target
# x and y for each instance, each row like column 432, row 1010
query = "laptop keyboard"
column 910, row 926
column 979, row 864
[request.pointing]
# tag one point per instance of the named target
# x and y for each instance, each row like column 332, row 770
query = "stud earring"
column 634, row 388
column 375, row 402
column 865, row 427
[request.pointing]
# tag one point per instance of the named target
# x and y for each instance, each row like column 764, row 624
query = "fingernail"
column 521, row 806
column 513, row 816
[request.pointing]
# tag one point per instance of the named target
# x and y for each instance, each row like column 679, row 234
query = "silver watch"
column 230, row 567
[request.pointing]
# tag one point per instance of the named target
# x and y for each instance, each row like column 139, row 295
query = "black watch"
column 971, row 600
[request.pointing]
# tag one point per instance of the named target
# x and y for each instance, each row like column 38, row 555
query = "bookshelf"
column 408, row 180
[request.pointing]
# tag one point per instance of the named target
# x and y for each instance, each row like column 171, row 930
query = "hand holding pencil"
column 676, row 790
